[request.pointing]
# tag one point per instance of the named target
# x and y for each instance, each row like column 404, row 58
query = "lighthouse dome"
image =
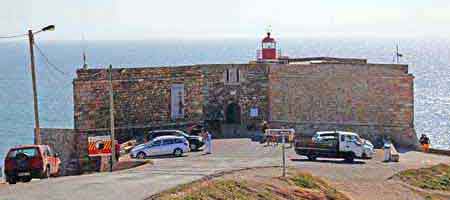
column 268, row 39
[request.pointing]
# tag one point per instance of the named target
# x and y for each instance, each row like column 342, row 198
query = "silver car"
column 163, row 145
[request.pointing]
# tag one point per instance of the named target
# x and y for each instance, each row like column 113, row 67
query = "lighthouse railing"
column 258, row 54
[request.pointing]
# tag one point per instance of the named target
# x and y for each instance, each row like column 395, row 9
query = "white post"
column 284, row 153
column 283, row 133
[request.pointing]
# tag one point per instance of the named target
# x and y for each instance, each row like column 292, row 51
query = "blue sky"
column 197, row 19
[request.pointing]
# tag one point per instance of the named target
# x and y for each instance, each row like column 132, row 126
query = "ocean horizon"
column 428, row 60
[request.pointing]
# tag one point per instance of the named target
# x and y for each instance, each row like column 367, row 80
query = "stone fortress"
column 307, row 94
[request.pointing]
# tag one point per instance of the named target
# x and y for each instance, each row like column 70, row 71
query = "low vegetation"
column 433, row 178
column 256, row 186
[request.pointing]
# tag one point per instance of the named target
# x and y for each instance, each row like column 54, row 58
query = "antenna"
column 85, row 65
column 398, row 55
column 269, row 29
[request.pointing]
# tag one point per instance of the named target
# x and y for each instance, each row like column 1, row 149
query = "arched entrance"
column 233, row 114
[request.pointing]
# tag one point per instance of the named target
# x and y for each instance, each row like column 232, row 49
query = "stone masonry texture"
column 374, row 100
column 68, row 144
column 141, row 98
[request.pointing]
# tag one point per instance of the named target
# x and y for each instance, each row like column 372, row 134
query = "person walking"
column 425, row 142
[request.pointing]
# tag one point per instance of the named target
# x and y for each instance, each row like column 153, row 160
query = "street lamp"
column 37, row 133
column 49, row 28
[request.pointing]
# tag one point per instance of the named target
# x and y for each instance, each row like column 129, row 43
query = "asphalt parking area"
column 361, row 180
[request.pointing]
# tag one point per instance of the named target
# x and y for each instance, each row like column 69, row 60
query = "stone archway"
column 233, row 114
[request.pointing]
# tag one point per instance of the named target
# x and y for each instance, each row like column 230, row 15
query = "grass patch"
column 433, row 178
column 295, row 186
column 305, row 180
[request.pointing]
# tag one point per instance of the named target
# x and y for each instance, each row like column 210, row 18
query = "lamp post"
column 37, row 133
column 111, row 112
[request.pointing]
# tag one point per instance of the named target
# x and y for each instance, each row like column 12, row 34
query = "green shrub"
column 306, row 181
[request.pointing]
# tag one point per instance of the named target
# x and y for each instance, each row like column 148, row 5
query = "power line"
column 47, row 60
column 12, row 36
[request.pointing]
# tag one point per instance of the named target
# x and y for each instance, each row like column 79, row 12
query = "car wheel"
column 193, row 147
column 312, row 157
column 364, row 155
column 141, row 155
column 350, row 158
column 178, row 152
column 11, row 180
column 27, row 179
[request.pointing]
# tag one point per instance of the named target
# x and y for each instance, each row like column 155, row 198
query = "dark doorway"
column 233, row 114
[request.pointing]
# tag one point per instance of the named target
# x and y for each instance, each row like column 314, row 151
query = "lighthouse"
column 269, row 48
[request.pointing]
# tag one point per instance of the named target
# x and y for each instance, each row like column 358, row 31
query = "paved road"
column 362, row 180
column 147, row 180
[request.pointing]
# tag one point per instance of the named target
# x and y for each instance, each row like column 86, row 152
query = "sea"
column 57, row 62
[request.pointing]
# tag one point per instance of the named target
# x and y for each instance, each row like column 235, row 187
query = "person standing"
column 266, row 137
column 208, row 141
column 425, row 142
column 117, row 145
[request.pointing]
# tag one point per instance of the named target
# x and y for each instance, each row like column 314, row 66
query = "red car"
column 30, row 161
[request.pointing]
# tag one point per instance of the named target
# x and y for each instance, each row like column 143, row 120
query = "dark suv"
column 195, row 142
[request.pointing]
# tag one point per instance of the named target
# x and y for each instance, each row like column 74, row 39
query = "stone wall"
column 250, row 92
column 373, row 100
column 142, row 97
column 68, row 144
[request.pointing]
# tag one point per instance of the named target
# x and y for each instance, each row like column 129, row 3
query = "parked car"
column 26, row 162
column 195, row 142
column 334, row 144
column 195, row 129
column 163, row 145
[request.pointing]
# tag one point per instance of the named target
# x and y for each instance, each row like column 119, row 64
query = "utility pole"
column 111, row 112
column 283, row 134
column 397, row 54
column 37, row 129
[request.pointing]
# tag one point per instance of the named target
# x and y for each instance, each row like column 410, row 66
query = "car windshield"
column 30, row 152
column 182, row 134
column 358, row 139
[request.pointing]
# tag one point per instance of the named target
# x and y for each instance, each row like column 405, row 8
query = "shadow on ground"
column 356, row 162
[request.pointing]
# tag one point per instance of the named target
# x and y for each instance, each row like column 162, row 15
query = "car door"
column 47, row 158
column 355, row 145
column 349, row 143
column 344, row 145
column 168, row 146
column 154, row 149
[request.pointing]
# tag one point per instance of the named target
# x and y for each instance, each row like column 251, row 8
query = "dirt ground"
column 256, row 183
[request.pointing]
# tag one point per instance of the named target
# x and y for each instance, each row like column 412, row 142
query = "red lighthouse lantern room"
column 269, row 48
